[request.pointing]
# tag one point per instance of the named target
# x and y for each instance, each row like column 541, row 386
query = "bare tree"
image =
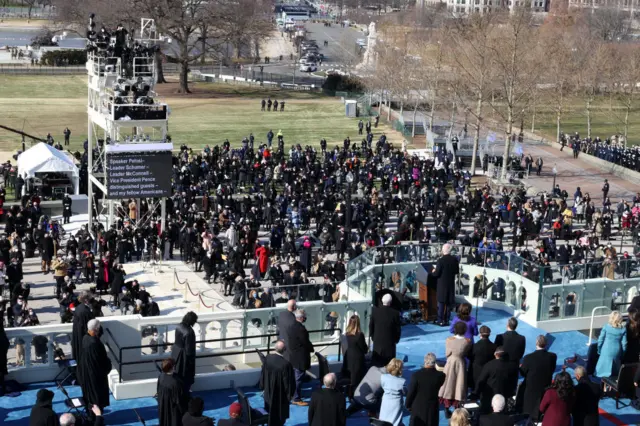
column 470, row 53
column 608, row 23
column 628, row 75
column 518, row 60
column 29, row 4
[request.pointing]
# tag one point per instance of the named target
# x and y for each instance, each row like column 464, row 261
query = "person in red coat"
column 558, row 401
column 262, row 255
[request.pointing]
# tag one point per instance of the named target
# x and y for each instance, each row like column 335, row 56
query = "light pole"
column 555, row 173
column 348, row 215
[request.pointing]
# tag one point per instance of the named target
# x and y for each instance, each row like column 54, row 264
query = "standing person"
column 605, row 190
column 300, row 350
column 286, row 319
column 497, row 377
column 81, row 317
column 454, row 390
column 464, row 315
column 446, row 270
column 277, row 380
column 46, row 253
column 328, row 406
column 481, row 353
column 67, row 135
column 393, row 386
column 612, row 343
column 384, row 330
column 4, row 349
column 354, row 365
column 183, row 351
column 513, row 343
column 133, row 211
column 172, row 400
column 588, row 394
column 94, row 368
column 558, row 401
column 66, row 208
column 537, row 368
column 539, row 164
column 632, row 353
column 422, row 397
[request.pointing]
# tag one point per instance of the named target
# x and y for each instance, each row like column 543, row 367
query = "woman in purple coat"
column 464, row 315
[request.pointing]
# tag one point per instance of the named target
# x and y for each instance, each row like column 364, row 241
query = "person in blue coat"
column 393, row 385
column 611, row 345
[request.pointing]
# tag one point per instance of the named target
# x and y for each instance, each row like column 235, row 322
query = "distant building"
column 461, row 7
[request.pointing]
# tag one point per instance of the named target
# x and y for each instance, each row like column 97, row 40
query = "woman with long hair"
column 557, row 402
column 464, row 315
column 612, row 343
column 632, row 354
column 354, row 365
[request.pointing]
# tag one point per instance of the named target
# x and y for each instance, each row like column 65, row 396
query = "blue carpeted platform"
column 415, row 343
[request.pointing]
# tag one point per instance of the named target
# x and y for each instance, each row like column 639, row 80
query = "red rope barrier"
column 192, row 293
column 204, row 304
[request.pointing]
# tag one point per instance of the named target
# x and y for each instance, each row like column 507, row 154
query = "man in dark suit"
column 481, row 353
column 422, row 396
column 446, row 270
column 588, row 394
column 537, row 369
column 300, row 350
column 328, row 406
column 277, row 380
column 384, row 329
column 285, row 320
column 513, row 343
column 498, row 417
column 497, row 378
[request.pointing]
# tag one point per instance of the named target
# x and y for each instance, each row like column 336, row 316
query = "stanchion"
column 184, row 297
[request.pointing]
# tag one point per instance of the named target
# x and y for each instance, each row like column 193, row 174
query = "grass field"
column 214, row 112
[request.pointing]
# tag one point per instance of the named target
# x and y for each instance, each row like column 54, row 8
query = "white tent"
column 43, row 158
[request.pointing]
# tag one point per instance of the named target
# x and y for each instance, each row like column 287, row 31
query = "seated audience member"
column 235, row 416
column 42, row 413
column 194, row 416
column 498, row 417
column 68, row 419
column 460, row 417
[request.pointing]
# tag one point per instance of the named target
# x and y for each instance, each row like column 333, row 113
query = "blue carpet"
column 417, row 340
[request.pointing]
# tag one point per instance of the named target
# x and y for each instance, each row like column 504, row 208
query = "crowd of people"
column 613, row 149
column 263, row 222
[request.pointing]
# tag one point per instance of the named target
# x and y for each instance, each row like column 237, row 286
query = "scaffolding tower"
column 117, row 115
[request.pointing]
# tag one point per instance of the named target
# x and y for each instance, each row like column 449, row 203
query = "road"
column 20, row 37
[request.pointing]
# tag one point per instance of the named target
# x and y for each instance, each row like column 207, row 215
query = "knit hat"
column 235, row 409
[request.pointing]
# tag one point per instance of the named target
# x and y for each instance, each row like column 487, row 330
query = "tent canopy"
column 43, row 158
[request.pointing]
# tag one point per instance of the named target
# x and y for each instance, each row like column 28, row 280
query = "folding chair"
column 73, row 404
column 623, row 386
column 251, row 416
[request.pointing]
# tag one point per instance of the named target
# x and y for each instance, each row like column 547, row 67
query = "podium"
column 428, row 301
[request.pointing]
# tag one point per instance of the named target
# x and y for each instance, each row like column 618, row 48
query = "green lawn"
column 44, row 104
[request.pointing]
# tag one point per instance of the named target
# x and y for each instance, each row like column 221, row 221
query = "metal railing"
column 331, row 331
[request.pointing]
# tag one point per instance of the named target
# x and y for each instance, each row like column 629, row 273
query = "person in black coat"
column 513, row 343
column 277, row 381
column 286, row 319
column 117, row 282
column 81, row 317
column 497, row 377
column 481, row 353
column 385, row 331
column 328, row 406
column 42, row 413
column 537, row 369
column 498, row 417
column 588, row 394
column 48, row 253
column 183, row 351
column 4, row 349
column 422, row 395
column 354, row 364
column 194, row 416
column 94, row 368
column 300, row 350
column 172, row 399
column 446, row 270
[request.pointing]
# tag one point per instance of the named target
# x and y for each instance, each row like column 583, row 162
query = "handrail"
column 593, row 314
column 334, row 342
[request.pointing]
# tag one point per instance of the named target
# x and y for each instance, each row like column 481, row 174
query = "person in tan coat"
column 454, row 390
